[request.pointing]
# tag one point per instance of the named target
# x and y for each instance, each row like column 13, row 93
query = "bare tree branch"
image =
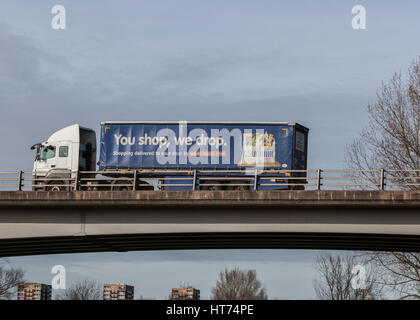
column 392, row 141
column 9, row 280
column 400, row 271
column 392, row 138
column 85, row 289
column 335, row 281
column 238, row 284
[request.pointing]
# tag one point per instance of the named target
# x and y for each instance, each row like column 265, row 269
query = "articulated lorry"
column 148, row 155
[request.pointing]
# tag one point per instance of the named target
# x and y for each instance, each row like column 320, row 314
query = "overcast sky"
column 297, row 61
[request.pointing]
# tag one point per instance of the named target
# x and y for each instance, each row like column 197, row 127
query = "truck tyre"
column 214, row 187
column 239, row 187
column 115, row 186
column 55, row 186
column 145, row 188
column 297, row 188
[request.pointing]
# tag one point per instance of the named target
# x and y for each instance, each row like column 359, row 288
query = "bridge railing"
column 215, row 179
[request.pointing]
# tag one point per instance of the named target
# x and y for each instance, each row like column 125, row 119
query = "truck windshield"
column 47, row 153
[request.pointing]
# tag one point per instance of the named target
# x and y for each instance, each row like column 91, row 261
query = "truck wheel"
column 54, row 186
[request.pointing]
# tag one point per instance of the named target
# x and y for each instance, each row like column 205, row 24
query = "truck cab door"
column 51, row 158
column 45, row 160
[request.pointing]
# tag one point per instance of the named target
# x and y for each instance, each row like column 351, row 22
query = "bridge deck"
column 69, row 222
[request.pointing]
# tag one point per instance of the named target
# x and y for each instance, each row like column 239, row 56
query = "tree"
column 85, row 289
column 399, row 271
column 9, row 280
column 391, row 140
column 337, row 280
column 238, row 284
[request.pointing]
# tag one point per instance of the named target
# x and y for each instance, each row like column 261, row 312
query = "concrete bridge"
column 33, row 223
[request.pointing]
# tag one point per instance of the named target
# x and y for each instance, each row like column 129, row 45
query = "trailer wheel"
column 145, row 188
column 115, row 186
column 239, row 187
column 297, row 188
column 215, row 185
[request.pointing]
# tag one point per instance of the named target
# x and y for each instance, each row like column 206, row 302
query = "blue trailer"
column 223, row 155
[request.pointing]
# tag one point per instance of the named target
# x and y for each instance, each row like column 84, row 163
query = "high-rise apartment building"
column 34, row 291
column 188, row 293
column 118, row 292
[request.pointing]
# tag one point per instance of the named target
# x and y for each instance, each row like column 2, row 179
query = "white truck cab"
column 66, row 152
